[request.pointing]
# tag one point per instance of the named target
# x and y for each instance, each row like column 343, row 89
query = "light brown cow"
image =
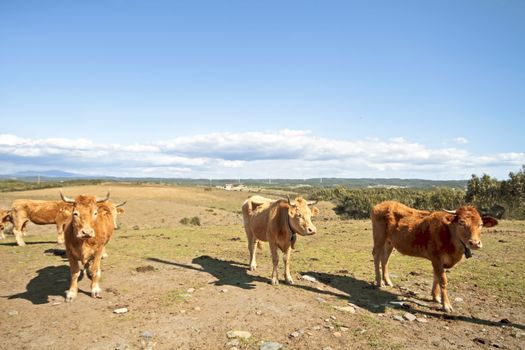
column 5, row 217
column 277, row 222
column 41, row 213
column 86, row 234
column 443, row 237
column 48, row 213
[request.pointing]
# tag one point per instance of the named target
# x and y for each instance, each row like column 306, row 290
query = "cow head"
column 5, row 217
column 467, row 223
column 115, row 209
column 300, row 216
column 84, row 214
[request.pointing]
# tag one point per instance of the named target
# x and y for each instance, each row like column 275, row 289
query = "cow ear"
column 120, row 210
column 315, row 211
column 449, row 218
column 489, row 221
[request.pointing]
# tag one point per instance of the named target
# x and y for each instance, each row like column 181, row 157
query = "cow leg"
column 387, row 250
column 379, row 236
column 2, row 236
column 75, row 272
column 435, row 289
column 18, row 226
column 60, row 234
column 286, row 259
column 104, row 253
column 439, row 270
column 252, row 244
column 275, row 261
column 95, row 268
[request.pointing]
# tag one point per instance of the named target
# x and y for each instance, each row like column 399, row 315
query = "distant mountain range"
column 58, row 175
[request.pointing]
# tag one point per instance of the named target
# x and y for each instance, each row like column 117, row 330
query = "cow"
column 41, row 213
column 5, row 217
column 443, row 237
column 86, row 234
column 47, row 213
column 277, row 222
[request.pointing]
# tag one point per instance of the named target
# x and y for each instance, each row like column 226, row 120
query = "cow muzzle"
column 475, row 244
column 86, row 233
column 311, row 231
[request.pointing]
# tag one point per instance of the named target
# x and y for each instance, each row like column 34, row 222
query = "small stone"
column 224, row 290
column 480, row 340
column 343, row 329
column 337, row 334
column 270, row 345
column 190, row 290
column 294, row 335
column 410, row 317
column 321, row 300
column 317, row 328
column 458, row 300
column 349, row 309
column 397, row 303
column 122, row 310
column 421, row 320
column 308, row 278
column 121, row 346
column 333, row 317
column 398, row 318
column 196, row 308
column 258, row 313
column 497, row 345
column 233, row 342
column 238, row 334
column 234, row 348
column 327, row 348
column 146, row 334
column 13, row 313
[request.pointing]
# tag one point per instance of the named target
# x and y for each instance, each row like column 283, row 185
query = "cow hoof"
column 104, row 256
column 289, row 281
column 275, row 281
column 95, row 293
column 253, row 267
column 447, row 308
column 389, row 283
column 436, row 299
column 70, row 296
column 21, row 243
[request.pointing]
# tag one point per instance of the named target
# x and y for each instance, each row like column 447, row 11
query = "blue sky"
column 432, row 89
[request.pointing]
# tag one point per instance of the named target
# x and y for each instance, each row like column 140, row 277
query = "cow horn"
column 66, row 199
column 102, row 199
column 121, row 204
column 289, row 201
column 312, row 202
column 453, row 212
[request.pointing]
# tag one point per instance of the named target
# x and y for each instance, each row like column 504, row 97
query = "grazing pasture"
column 186, row 286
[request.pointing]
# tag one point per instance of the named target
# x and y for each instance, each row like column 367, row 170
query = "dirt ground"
column 186, row 287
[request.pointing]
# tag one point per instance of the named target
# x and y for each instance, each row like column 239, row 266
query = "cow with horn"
column 277, row 222
column 86, row 235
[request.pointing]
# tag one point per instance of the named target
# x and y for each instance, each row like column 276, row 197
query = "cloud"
column 460, row 140
column 281, row 154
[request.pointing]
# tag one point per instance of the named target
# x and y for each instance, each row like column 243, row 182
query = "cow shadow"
column 358, row 292
column 227, row 272
column 13, row 244
column 50, row 281
column 365, row 295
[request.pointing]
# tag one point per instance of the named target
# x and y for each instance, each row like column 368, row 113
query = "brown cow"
column 41, row 213
column 277, row 222
column 442, row 237
column 5, row 217
column 86, row 235
column 48, row 213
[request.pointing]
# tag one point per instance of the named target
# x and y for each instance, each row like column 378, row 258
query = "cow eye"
column 299, row 215
column 95, row 213
column 75, row 213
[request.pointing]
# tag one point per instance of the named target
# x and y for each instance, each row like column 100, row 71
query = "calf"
column 277, row 222
column 86, row 235
column 443, row 237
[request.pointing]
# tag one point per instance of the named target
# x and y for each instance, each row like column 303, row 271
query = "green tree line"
column 503, row 199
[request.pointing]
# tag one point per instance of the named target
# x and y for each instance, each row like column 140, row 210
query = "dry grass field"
column 187, row 286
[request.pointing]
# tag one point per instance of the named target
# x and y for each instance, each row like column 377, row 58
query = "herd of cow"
column 85, row 225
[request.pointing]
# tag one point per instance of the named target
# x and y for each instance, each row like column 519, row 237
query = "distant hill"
column 45, row 173
column 55, row 175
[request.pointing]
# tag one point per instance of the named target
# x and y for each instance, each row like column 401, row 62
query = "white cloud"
column 282, row 154
column 461, row 140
